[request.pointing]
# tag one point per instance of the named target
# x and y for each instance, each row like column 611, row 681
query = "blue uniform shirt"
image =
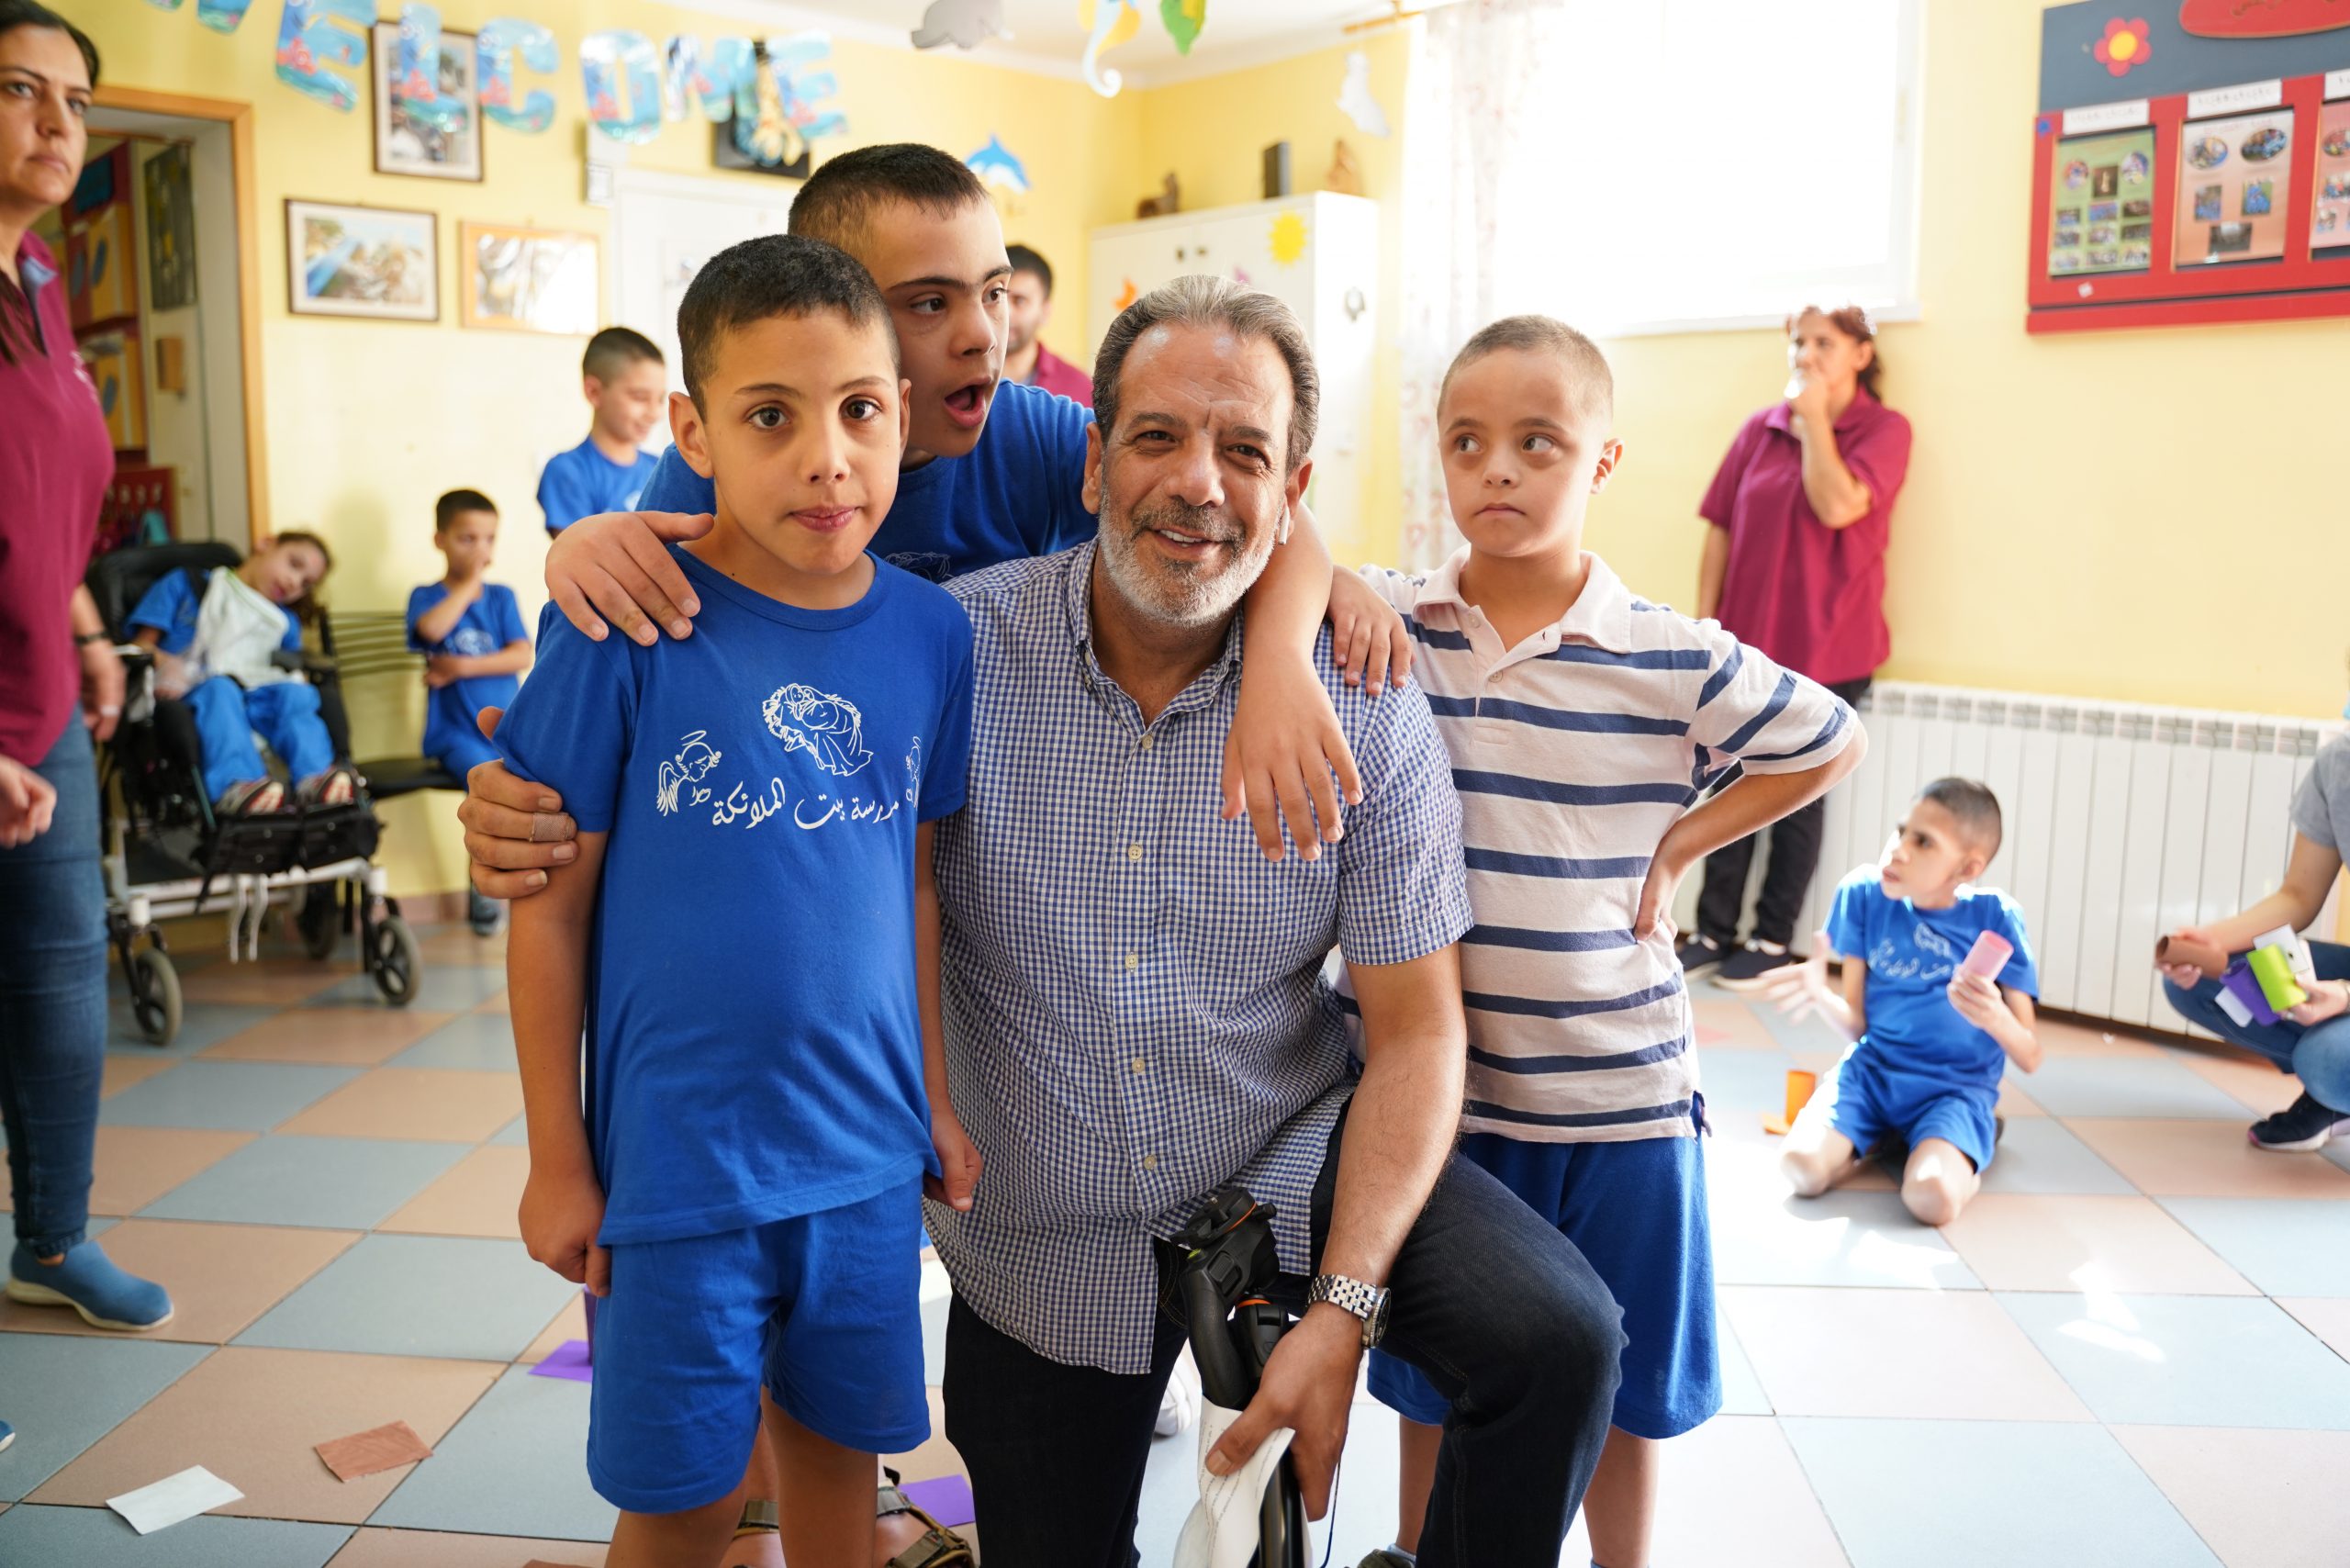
column 753, row 1045
column 583, row 482
column 171, row 607
column 1911, row 954
column 491, row 621
column 1017, row 494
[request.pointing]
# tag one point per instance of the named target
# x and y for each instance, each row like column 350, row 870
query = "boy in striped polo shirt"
column 1585, row 723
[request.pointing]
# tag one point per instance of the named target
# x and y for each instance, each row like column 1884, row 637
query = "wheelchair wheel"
column 395, row 966
column 320, row 921
column 155, row 994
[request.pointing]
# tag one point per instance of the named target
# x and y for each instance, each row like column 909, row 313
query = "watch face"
column 1374, row 1328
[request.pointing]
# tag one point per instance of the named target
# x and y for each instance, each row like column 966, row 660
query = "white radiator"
column 2122, row 822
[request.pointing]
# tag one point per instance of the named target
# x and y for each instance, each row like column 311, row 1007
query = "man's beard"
column 1183, row 593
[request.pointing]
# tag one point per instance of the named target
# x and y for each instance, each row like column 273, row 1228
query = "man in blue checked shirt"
column 1135, row 1014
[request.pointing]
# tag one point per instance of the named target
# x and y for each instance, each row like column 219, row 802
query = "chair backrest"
column 366, row 642
column 120, row 578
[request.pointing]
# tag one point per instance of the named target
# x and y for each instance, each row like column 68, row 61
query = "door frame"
column 238, row 118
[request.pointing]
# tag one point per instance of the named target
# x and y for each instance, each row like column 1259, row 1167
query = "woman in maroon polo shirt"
column 63, row 686
column 1798, row 517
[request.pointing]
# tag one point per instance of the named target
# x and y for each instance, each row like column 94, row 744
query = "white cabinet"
column 1316, row 254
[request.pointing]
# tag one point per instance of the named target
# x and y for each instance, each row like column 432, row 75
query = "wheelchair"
column 168, row 855
column 1229, row 1265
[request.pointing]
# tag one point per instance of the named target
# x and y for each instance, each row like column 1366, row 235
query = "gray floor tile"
column 1764, row 1237
column 2285, row 1245
column 100, row 1537
column 420, row 1295
column 1742, row 1392
column 1963, row 1494
column 446, row 988
column 515, row 1134
column 201, row 1023
column 1745, row 1080
column 226, row 1096
column 478, row 1042
column 2128, row 1086
column 514, row 1466
column 2038, row 1155
column 63, row 1392
column 335, row 1182
column 2187, row 1360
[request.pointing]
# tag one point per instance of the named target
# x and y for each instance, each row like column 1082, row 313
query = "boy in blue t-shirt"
column 764, row 1084
column 1933, row 1033
column 470, row 632
column 627, row 386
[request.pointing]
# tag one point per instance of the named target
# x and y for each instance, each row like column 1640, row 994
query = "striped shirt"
column 1134, row 1002
column 1573, row 752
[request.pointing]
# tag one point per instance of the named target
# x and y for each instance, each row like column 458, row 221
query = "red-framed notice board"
column 2191, row 167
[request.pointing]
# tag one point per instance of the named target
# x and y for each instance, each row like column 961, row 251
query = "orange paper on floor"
column 374, row 1452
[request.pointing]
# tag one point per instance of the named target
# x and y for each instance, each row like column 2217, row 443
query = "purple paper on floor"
column 566, row 1360
column 947, row 1499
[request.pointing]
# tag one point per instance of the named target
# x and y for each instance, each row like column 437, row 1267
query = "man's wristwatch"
column 1367, row 1302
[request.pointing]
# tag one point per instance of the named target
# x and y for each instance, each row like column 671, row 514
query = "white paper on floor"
column 1221, row 1529
column 175, row 1498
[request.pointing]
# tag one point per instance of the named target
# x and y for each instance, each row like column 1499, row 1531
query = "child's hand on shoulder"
column 561, row 1214
column 1368, row 638
column 958, row 1158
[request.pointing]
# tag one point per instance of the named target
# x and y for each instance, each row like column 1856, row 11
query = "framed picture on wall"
column 529, row 280
column 115, row 366
column 442, row 146
column 376, row 262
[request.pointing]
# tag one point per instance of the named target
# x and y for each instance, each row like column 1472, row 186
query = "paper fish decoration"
column 998, row 168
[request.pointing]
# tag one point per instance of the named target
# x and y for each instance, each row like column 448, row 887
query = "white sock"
column 1411, row 1556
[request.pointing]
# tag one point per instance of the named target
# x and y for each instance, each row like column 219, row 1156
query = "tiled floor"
column 2131, row 1349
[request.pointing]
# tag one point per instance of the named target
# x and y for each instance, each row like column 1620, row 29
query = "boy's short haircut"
column 449, row 507
column 1975, row 809
column 1543, row 334
column 842, row 196
column 613, row 350
column 1024, row 260
column 775, row 275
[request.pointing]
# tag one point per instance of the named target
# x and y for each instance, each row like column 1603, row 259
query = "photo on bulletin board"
column 405, row 144
column 2329, row 220
column 2230, row 190
column 378, row 264
column 114, row 364
column 2102, row 182
column 529, row 280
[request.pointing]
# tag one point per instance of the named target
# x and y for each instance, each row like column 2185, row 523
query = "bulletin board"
column 2191, row 166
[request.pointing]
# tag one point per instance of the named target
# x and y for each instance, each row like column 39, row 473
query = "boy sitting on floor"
column 1930, row 1039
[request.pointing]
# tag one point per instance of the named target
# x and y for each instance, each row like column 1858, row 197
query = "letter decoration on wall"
column 708, row 80
column 500, row 44
column 622, row 77
column 220, row 16
column 314, row 34
column 416, row 73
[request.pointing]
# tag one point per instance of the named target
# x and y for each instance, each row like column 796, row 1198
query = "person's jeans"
column 2318, row 1056
column 286, row 714
column 1498, row 1308
column 1786, row 875
column 53, row 1004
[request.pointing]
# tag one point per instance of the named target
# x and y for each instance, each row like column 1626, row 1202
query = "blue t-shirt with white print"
column 583, row 481
column 1018, row 493
column 490, row 622
column 1911, row 954
column 753, row 1042
column 171, row 605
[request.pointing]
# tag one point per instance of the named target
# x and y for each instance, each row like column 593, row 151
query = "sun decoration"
column 2123, row 46
column 1126, row 296
column 1288, row 239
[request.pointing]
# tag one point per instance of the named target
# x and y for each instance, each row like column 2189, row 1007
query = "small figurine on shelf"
column 1169, row 201
column 1346, row 175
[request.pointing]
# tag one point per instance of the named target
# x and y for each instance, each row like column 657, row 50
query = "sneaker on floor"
column 2301, row 1125
column 482, row 912
column 1697, row 952
column 88, row 1281
column 1752, row 965
column 8, row 1434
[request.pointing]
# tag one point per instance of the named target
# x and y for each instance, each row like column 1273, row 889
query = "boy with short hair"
column 1932, row 1029
column 471, row 634
column 627, row 388
column 1025, row 357
column 764, row 1084
column 1584, row 724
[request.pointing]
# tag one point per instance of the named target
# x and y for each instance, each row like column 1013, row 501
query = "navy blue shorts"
column 1637, row 1212
column 822, row 1309
column 1864, row 1101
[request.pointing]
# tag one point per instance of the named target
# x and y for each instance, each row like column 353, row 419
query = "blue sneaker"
column 8, row 1434
column 88, row 1281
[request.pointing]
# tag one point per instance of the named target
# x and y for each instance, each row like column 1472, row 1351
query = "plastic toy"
column 1988, row 956
column 1801, row 1086
column 2204, row 956
column 2274, row 970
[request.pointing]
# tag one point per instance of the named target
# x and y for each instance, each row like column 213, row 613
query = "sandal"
column 759, row 1517
column 337, row 785
column 251, row 798
column 938, row 1548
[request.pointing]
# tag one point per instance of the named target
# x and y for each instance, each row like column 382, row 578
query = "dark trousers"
column 1786, row 875
column 53, row 1004
column 1498, row 1308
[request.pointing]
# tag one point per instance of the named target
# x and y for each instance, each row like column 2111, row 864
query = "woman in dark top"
column 64, row 685
column 1797, row 519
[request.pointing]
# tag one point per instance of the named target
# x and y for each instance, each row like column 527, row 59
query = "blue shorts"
column 822, row 1309
column 1863, row 1100
column 1637, row 1212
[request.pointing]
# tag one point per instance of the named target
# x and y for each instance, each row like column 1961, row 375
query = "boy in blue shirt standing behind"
column 470, row 632
column 764, row 1083
column 1933, row 1019
column 627, row 385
